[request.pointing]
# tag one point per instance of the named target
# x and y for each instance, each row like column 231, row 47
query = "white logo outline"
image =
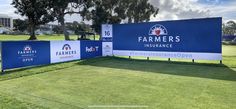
column 158, row 30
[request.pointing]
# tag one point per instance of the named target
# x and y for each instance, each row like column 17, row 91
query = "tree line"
column 99, row 12
column 229, row 28
column 21, row 26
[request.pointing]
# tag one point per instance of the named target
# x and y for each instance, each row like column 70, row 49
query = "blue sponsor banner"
column 90, row 49
column 194, row 35
column 17, row 54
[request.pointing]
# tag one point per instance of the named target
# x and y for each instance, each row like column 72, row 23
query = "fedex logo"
column 91, row 49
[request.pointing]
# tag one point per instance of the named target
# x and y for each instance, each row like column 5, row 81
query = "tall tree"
column 99, row 16
column 37, row 12
column 115, row 11
column 63, row 7
column 140, row 11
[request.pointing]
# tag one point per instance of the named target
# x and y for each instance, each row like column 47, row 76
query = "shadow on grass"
column 201, row 70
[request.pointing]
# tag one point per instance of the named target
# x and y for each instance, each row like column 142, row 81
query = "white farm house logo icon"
column 158, row 37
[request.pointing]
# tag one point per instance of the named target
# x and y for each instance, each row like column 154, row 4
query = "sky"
column 188, row 9
column 169, row 9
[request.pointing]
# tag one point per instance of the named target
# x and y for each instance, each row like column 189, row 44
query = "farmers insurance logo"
column 107, row 48
column 27, row 54
column 158, row 30
column 158, row 38
column 66, row 51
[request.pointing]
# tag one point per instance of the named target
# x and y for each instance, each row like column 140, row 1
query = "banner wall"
column 16, row 54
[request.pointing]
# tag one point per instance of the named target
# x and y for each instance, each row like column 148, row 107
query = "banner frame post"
column 2, row 71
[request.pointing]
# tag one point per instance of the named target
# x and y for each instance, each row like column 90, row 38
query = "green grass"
column 12, row 103
column 229, row 50
column 157, row 84
column 120, row 81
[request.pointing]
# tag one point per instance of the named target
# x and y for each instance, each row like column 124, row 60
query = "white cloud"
column 226, row 11
column 178, row 9
column 188, row 9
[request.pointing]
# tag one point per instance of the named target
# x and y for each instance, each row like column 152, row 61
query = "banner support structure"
column 2, row 71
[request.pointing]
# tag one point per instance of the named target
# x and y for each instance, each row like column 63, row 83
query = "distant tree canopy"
column 78, row 27
column 74, row 26
column 229, row 28
column 37, row 12
column 20, row 25
column 115, row 11
column 57, row 29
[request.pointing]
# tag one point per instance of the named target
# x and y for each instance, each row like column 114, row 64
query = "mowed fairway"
column 114, row 81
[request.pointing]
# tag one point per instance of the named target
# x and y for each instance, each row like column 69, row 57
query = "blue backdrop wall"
column 17, row 54
column 195, row 35
column 190, row 39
